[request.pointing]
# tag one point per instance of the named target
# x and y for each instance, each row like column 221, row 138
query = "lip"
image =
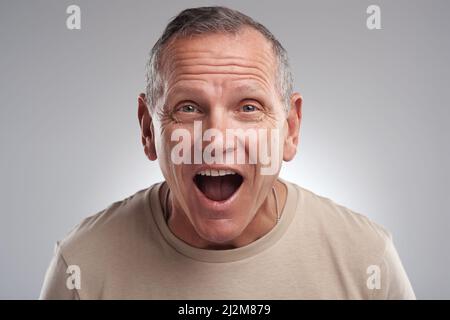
column 218, row 207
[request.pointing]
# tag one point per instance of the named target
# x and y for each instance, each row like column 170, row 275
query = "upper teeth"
column 215, row 173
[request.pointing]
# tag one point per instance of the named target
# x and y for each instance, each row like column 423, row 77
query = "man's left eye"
column 249, row 108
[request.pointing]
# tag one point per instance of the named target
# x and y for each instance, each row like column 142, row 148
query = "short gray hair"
column 215, row 19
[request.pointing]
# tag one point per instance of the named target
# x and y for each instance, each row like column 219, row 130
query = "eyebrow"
column 185, row 89
column 249, row 88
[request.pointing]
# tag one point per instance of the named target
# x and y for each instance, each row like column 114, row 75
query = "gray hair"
column 215, row 19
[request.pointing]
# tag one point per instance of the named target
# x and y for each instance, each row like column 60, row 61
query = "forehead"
column 244, row 55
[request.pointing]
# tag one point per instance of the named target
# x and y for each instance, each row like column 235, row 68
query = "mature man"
column 220, row 116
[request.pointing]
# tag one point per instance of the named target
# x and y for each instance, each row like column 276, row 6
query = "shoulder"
column 101, row 247
column 341, row 229
column 101, row 236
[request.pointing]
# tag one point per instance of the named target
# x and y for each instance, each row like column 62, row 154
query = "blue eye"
column 189, row 108
column 249, row 108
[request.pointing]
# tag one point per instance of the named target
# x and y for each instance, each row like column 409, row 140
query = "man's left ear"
column 293, row 127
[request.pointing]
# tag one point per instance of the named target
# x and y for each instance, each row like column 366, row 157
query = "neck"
column 263, row 221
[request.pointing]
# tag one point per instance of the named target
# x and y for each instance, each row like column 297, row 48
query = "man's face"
column 220, row 81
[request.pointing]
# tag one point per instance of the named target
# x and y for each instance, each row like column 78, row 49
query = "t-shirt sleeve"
column 55, row 282
column 395, row 285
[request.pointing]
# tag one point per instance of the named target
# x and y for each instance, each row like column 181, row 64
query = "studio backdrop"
column 374, row 136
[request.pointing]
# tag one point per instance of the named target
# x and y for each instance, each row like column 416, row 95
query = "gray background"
column 374, row 136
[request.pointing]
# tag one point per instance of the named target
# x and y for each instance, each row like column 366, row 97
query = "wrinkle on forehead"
column 198, row 87
column 246, row 54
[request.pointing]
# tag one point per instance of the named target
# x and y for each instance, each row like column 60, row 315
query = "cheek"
column 163, row 150
column 167, row 146
column 164, row 142
column 269, row 144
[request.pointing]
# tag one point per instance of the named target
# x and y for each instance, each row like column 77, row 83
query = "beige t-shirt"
column 318, row 250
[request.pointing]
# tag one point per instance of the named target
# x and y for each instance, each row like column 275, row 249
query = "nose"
column 217, row 119
column 215, row 127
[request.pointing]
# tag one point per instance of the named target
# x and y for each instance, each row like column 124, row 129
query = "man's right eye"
column 188, row 108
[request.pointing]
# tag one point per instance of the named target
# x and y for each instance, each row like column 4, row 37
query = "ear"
column 293, row 127
column 147, row 130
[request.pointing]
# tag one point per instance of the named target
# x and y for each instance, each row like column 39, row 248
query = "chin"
column 219, row 231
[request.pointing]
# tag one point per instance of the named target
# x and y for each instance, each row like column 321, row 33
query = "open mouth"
column 218, row 185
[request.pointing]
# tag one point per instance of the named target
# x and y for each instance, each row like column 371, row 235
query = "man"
column 223, row 225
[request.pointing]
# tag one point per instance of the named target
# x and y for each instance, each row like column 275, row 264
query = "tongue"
column 218, row 188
